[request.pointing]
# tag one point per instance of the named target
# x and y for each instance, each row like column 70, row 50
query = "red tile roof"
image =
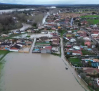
column 90, row 70
column 77, row 51
column 88, row 43
column 48, row 47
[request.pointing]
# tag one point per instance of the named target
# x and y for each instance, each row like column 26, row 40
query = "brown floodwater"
column 36, row 72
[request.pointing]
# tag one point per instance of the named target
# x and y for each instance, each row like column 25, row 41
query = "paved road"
column 33, row 45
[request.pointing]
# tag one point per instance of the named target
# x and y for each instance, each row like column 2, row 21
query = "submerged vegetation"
column 2, row 55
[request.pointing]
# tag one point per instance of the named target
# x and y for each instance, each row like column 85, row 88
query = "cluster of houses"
column 47, row 45
column 76, row 41
column 94, row 32
column 15, row 44
column 79, row 44
column 51, row 42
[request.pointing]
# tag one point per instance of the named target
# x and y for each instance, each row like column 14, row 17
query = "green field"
column 93, row 21
column 89, row 16
column 75, row 61
column 85, row 52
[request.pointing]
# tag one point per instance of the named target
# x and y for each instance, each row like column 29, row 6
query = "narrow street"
column 71, row 69
column 33, row 45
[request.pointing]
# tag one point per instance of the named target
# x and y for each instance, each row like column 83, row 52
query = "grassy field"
column 93, row 21
column 75, row 61
column 90, row 16
column 85, row 52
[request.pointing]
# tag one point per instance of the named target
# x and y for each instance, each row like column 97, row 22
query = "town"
column 71, row 34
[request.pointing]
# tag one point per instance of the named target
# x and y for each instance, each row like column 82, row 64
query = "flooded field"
column 36, row 72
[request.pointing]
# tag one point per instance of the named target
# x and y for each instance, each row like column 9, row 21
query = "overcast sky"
column 51, row 1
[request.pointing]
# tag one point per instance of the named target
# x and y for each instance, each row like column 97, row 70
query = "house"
column 97, row 80
column 55, row 38
column 55, row 42
column 87, row 39
column 44, row 32
column 94, row 32
column 94, row 35
column 76, row 52
column 77, row 47
column 4, row 35
column 55, row 49
column 88, row 43
column 82, row 33
column 15, row 48
column 68, row 45
column 91, row 71
column 95, row 64
column 95, row 60
column 84, row 22
column 69, row 35
column 72, row 40
column 29, row 31
column 5, row 44
column 46, row 49
column 43, row 39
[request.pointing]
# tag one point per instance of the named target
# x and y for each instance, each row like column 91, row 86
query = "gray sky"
column 51, row 1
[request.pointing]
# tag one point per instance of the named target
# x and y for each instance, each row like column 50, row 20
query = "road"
column 33, row 45
column 71, row 69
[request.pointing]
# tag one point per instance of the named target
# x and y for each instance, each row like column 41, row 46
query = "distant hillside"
column 10, row 6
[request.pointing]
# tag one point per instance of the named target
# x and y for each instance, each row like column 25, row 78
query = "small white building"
column 72, row 40
column 76, row 47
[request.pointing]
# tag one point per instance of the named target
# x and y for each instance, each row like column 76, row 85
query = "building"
column 88, row 43
column 46, row 49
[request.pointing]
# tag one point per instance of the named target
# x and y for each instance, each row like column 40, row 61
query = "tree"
column 87, row 80
column 1, row 27
column 79, row 71
column 94, row 13
column 34, row 24
column 83, row 75
column 89, row 64
column 79, row 24
column 95, row 72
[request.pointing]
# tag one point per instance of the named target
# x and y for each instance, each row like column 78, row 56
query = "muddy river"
column 36, row 72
